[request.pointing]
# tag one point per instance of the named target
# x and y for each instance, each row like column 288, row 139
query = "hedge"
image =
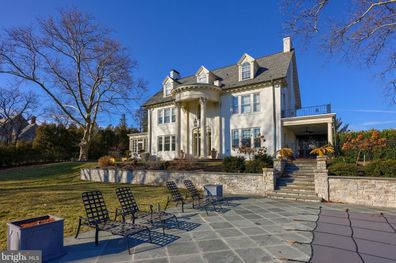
column 379, row 168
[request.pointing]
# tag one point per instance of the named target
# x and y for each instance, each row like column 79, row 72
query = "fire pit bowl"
column 43, row 233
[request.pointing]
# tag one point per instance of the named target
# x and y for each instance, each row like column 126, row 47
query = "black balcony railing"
column 306, row 111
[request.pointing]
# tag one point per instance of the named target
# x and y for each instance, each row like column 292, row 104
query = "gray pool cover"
column 346, row 236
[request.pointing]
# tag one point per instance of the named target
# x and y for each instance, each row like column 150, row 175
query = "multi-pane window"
column 167, row 115
column 249, row 103
column 160, row 118
column 256, row 102
column 173, row 146
column 173, row 115
column 168, row 89
column 245, row 70
column 139, row 145
column 235, row 106
column 235, row 138
column 167, row 143
column 202, row 78
column 256, row 137
column 159, row 141
column 246, row 140
column 250, row 137
column 245, row 104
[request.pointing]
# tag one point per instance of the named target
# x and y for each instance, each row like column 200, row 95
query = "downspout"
column 274, row 116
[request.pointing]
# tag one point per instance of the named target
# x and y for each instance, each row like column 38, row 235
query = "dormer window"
column 247, row 67
column 167, row 85
column 204, row 75
column 168, row 89
column 246, row 72
column 202, row 78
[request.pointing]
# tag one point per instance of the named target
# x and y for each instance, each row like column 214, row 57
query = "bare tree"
column 362, row 30
column 15, row 108
column 76, row 63
column 140, row 117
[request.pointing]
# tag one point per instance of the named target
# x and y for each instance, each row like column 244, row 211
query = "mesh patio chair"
column 197, row 197
column 177, row 197
column 130, row 208
column 99, row 219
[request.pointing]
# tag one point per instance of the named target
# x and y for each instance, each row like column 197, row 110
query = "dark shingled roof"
column 270, row 67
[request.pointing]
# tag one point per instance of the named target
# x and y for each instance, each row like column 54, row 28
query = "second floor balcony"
column 307, row 111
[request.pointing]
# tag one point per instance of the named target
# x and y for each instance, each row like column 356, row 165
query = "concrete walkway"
column 251, row 230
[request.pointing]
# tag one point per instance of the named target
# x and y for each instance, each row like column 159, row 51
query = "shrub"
column 385, row 168
column 254, row 166
column 156, row 165
column 343, row 169
column 234, row 164
column 183, row 165
column 106, row 161
column 266, row 159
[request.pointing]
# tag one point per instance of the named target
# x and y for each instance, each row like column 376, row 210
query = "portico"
column 196, row 126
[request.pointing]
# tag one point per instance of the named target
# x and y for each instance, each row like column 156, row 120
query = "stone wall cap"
column 361, row 178
column 168, row 171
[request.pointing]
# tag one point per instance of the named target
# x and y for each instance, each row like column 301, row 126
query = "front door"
column 306, row 143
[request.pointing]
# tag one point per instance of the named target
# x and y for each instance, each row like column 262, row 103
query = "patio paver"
column 254, row 230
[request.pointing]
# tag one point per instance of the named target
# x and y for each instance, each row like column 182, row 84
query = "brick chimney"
column 33, row 120
column 287, row 44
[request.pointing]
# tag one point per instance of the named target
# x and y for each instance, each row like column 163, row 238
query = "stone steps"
column 297, row 182
column 288, row 196
column 297, row 187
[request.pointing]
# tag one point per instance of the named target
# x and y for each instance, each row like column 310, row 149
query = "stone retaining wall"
column 371, row 191
column 249, row 184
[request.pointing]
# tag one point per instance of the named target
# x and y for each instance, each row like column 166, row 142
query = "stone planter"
column 46, row 236
column 214, row 190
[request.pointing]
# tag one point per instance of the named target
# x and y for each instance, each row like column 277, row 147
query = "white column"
column 149, row 129
column 330, row 133
column 203, row 101
column 188, row 133
column 178, row 127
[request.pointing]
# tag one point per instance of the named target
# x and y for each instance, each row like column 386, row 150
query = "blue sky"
column 187, row 34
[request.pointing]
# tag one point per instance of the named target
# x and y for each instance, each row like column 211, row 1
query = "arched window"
column 202, row 78
column 245, row 71
column 168, row 89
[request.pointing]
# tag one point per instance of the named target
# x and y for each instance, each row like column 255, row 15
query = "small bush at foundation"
column 106, row 161
column 234, row 164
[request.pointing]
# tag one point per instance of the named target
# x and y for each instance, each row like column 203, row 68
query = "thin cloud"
column 367, row 111
column 371, row 123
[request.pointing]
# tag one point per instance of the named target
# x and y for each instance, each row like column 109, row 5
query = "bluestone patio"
column 249, row 230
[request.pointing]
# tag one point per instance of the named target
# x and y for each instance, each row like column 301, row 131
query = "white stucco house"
column 219, row 110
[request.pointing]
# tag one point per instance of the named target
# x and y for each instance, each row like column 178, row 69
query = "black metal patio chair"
column 99, row 219
column 178, row 198
column 129, row 207
column 197, row 197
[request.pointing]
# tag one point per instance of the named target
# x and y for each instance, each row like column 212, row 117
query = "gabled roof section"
column 272, row 67
column 201, row 68
column 245, row 56
column 167, row 79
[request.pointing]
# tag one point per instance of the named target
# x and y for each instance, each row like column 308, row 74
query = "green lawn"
column 56, row 189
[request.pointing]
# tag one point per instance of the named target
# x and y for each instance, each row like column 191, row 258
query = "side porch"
column 307, row 128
